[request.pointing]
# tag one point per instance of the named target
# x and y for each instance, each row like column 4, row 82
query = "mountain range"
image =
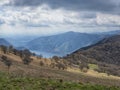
column 60, row 44
column 66, row 43
column 63, row 43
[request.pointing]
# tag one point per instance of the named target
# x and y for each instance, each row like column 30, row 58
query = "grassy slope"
column 27, row 83
column 18, row 69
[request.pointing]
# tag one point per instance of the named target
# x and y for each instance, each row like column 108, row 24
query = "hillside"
column 105, row 53
column 107, row 50
column 55, row 68
column 4, row 42
column 63, row 43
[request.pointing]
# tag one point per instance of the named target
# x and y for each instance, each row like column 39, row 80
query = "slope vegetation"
column 106, row 54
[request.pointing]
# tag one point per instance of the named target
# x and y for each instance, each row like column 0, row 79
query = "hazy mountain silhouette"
column 63, row 43
column 4, row 42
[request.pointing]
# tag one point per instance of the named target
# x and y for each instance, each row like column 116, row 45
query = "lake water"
column 45, row 54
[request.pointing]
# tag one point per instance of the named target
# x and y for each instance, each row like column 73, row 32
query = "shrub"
column 27, row 60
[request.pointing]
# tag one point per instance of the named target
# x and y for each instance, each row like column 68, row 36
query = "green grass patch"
column 7, row 82
column 93, row 66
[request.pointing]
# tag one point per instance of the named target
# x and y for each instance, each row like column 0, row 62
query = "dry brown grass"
column 72, row 74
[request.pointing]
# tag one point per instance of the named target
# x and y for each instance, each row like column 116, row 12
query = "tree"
column 56, row 58
column 52, row 65
column 40, row 56
column 85, row 70
column 3, row 58
column 61, row 66
column 27, row 60
column 84, row 67
column 21, row 54
column 41, row 63
column 10, row 49
column 33, row 54
column 7, row 62
column 15, row 51
column 27, row 53
column 4, row 49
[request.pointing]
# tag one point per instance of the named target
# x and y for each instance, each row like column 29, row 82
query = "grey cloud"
column 93, row 5
column 38, row 25
column 88, row 15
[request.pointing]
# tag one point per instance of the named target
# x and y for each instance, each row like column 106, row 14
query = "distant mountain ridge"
column 60, row 44
column 4, row 42
column 63, row 43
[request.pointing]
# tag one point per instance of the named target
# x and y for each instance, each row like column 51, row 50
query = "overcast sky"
column 40, row 17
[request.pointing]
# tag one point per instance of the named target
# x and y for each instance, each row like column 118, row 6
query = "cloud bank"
column 54, row 16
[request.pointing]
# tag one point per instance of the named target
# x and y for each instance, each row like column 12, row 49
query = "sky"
column 43, row 17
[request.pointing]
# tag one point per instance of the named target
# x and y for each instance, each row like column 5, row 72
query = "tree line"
column 25, row 55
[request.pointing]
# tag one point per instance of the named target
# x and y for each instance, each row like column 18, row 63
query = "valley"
column 18, row 69
column 96, row 64
column 59, row 44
